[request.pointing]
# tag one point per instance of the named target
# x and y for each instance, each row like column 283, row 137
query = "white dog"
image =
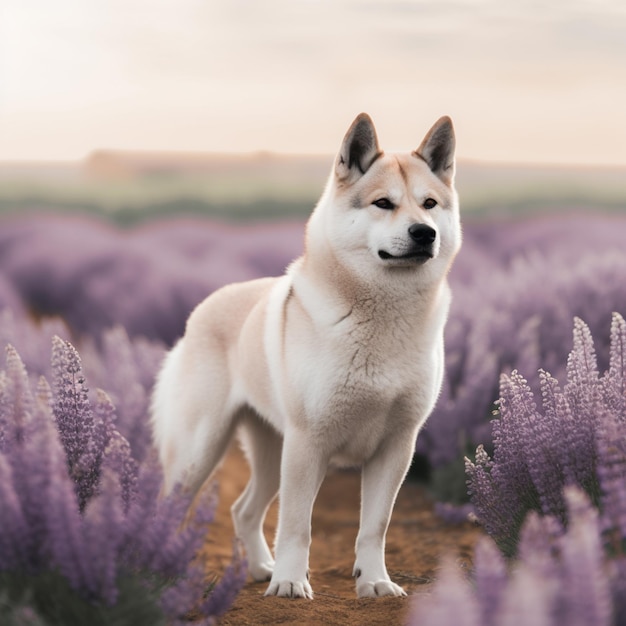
column 340, row 361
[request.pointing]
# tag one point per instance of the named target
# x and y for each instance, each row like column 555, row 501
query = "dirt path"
column 416, row 542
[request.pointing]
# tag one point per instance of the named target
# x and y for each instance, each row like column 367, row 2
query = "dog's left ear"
column 437, row 149
column 358, row 150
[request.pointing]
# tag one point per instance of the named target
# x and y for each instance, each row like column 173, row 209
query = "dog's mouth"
column 414, row 257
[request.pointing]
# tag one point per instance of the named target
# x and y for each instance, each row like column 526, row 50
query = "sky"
column 524, row 81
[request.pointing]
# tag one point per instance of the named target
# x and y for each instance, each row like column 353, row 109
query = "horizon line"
column 264, row 153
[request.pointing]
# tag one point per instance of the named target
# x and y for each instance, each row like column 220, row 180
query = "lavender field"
column 517, row 287
column 536, row 300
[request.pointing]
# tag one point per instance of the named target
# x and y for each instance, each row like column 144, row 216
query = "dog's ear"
column 358, row 150
column 437, row 149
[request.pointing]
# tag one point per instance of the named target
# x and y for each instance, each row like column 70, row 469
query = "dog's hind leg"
column 263, row 448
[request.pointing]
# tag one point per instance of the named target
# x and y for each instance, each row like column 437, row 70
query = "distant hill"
column 130, row 186
column 114, row 164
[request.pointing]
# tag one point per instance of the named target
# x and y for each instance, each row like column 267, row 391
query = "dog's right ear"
column 358, row 150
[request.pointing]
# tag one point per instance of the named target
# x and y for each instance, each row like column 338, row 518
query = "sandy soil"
column 416, row 541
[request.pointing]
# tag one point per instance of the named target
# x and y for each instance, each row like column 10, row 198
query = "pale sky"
column 524, row 80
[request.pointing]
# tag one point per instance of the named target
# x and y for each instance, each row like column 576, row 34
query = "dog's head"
column 394, row 213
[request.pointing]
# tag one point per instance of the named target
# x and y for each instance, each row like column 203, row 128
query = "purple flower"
column 453, row 513
column 451, row 603
column 225, row 591
column 585, row 596
column 560, row 577
column 496, row 327
column 575, row 439
column 611, row 470
column 12, row 523
column 490, row 579
column 570, row 553
column 76, row 503
column 74, row 417
column 103, row 529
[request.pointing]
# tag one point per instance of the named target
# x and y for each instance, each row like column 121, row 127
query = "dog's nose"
column 422, row 234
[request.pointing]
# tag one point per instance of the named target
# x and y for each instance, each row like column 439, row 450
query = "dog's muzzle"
column 423, row 238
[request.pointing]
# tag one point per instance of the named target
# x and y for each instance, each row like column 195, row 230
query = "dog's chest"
column 382, row 347
column 366, row 378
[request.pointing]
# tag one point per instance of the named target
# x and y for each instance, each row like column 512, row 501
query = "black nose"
column 422, row 234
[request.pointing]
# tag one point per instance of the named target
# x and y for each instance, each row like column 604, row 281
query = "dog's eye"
column 384, row 203
column 430, row 203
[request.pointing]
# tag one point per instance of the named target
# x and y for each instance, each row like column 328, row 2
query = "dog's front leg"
column 382, row 476
column 302, row 470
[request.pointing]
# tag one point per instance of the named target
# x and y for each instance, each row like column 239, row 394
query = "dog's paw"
column 378, row 588
column 290, row 589
column 261, row 571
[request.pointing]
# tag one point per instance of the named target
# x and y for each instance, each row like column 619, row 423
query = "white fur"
column 339, row 361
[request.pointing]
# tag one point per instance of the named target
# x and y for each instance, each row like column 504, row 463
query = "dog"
column 339, row 361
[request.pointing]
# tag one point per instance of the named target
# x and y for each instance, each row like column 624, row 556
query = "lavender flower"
column 611, row 472
column 561, row 577
column 496, row 328
column 454, row 514
column 82, row 436
column 576, row 440
column 614, row 388
column 490, row 580
column 80, row 517
column 221, row 594
column 117, row 455
column 570, row 553
column 12, row 520
column 16, row 401
column 451, row 603
column 583, row 574
column 224, row 592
